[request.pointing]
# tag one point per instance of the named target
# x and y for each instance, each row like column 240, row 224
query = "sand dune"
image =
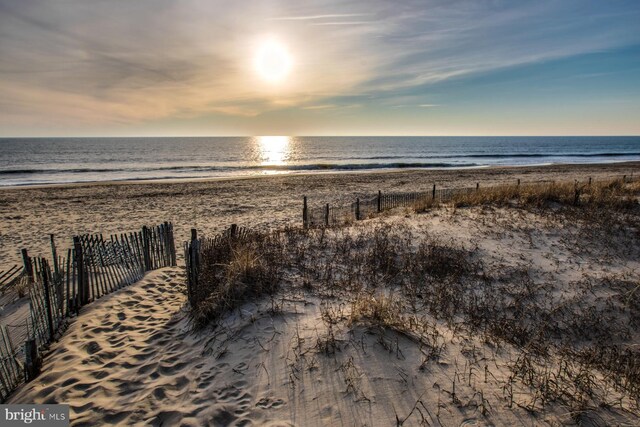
column 301, row 358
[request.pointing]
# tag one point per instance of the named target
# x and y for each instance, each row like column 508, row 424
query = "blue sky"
column 160, row 67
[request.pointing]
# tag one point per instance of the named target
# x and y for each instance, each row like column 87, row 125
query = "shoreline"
column 151, row 181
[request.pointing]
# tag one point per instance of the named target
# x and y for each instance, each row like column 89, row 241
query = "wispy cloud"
column 344, row 23
column 415, row 106
column 316, row 17
column 319, row 107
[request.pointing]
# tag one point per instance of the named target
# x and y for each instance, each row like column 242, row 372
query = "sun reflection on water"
column 274, row 150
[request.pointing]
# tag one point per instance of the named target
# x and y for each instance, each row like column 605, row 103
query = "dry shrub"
column 234, row 270
column 438, row 260
column 245, row 266
column 388, row 313
column 385, row 246
column 381, row 311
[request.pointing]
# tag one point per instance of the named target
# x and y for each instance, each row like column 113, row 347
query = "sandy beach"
column 504, row 336
column 29, row 215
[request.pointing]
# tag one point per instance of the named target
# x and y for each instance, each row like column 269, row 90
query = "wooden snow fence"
column 368, row 207
column 95, row 266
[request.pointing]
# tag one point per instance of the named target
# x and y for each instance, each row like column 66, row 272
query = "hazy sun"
column 272, row 61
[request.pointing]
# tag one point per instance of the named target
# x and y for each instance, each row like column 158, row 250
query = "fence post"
column 624, row 178
column 305, row 213
column 518, row 182
column 357, row 208
column 379, row 201
column 326, row 215
column 146, row 249
column 54, row 254
column 589, row 181
column 47, row 298
column 477, row 186
column 192, row 279
column 168, row 244
column 234, row 231
column 28, row 267
column 576, row 196
column 83, row 294
column 433, row 194
column 172, row 242
column 31, row 359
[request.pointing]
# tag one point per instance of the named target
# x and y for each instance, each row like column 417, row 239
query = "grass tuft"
column 234, row 270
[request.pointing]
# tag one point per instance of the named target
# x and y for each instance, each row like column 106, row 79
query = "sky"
column 360, row 67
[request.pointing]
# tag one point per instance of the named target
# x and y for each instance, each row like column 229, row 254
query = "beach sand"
column 29, row 215
column 304, row 357
column 311, row 355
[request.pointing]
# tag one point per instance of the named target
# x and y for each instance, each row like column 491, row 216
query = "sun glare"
column 273, row 149
column 272, row 61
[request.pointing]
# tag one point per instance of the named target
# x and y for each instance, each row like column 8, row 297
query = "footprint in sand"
column 98, row 375
column 224, row 417
column 167, row 418
column 268, row 403
column 93, row 347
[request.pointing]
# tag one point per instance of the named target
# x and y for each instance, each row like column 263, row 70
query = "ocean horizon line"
column 320, row 136
column 43, row 161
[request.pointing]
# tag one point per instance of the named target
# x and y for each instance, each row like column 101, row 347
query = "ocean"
column 37, row 161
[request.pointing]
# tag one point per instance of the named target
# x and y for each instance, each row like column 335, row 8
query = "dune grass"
column 611, row 194
column 234, row 270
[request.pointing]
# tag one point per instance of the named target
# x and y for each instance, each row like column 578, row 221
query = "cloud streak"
column 317, row 17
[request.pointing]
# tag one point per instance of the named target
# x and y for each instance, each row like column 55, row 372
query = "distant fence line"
column 328, row 215
column 94, row 267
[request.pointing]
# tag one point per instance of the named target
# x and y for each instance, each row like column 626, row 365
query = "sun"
column 273, row 62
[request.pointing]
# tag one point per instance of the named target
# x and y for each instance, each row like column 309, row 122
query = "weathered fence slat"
column 8, row 276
